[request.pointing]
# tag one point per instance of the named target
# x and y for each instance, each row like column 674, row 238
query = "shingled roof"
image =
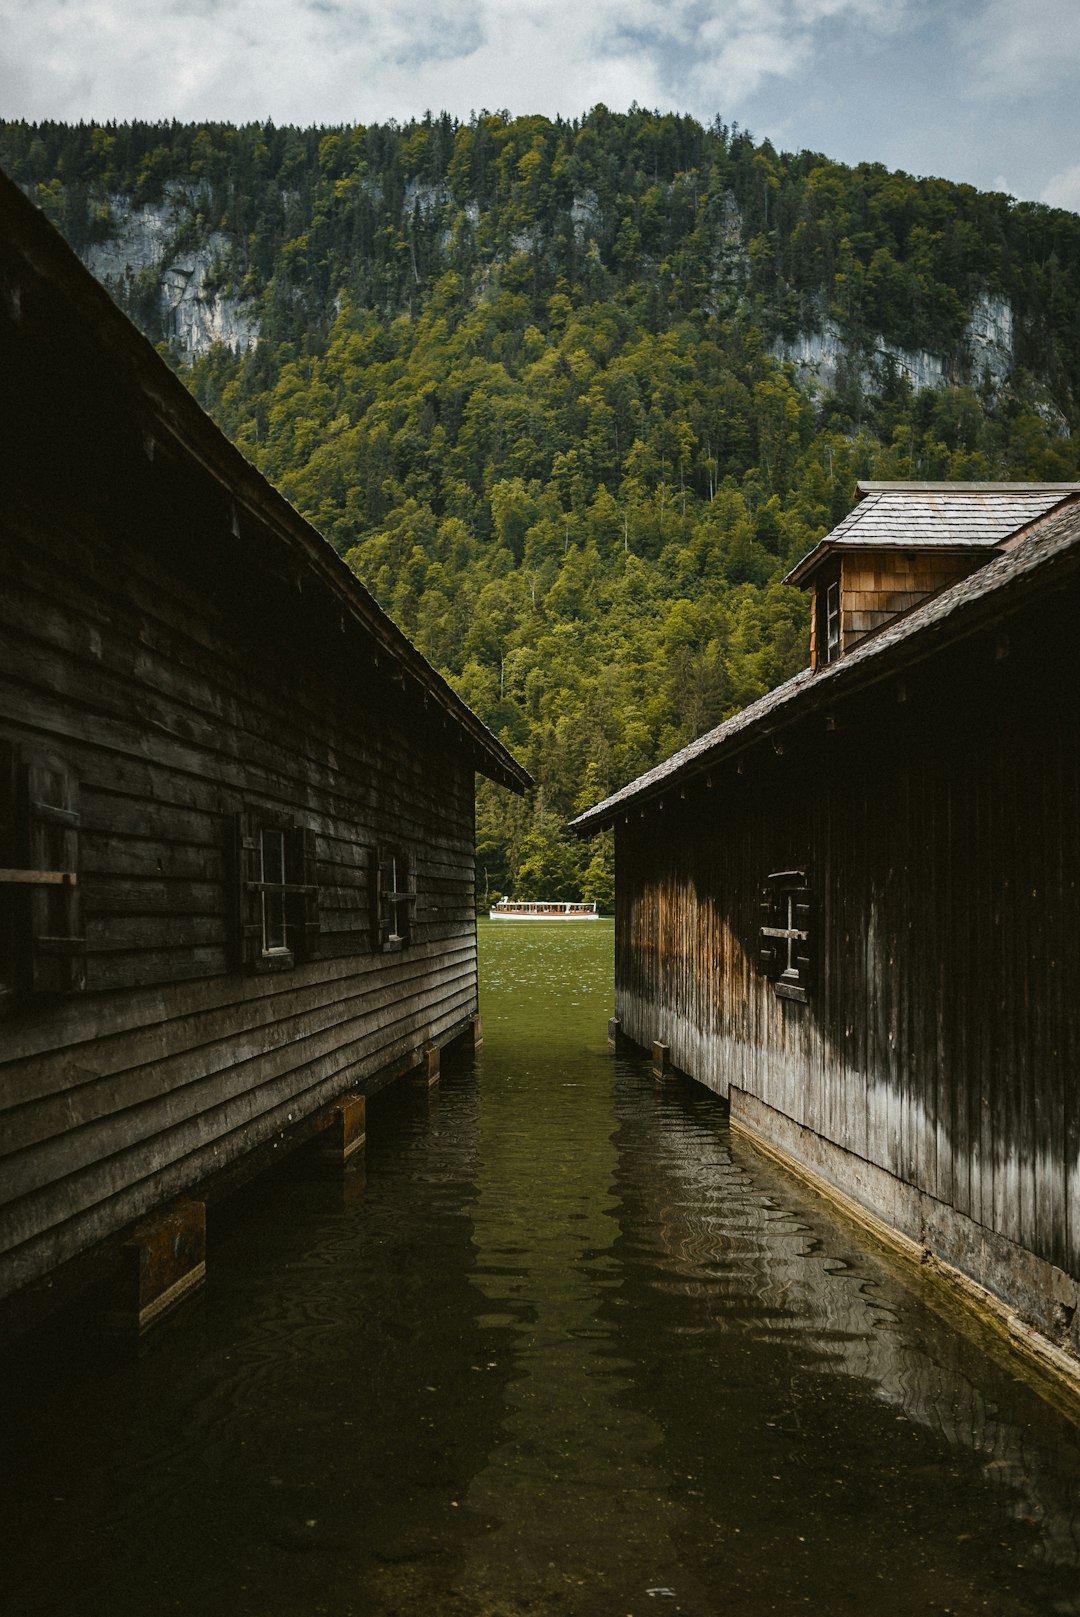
column 1041, row 561
column 942, row 516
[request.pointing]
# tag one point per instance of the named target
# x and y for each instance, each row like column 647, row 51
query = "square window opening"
column 393, row 898
column 275, row 895
column 786, row 935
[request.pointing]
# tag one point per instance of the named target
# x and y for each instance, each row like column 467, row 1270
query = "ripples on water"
column 565, row 1346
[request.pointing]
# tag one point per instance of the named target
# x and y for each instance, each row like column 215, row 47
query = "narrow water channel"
column 564, row 1345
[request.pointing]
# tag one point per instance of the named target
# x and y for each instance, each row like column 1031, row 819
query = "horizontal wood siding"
column 179, row 690
column 941, row 839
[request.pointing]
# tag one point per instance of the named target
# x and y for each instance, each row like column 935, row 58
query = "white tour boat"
column 512, row 909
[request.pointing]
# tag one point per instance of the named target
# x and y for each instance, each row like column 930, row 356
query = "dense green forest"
column 522, row 374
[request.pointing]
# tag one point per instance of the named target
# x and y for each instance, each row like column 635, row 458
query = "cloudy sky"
column 977, row 90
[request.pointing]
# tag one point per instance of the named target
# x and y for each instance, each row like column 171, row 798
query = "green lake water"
column 561, row 1345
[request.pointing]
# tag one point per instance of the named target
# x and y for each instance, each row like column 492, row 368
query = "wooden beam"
column 345, row 1129
column 40, row 878
column 164, row 1262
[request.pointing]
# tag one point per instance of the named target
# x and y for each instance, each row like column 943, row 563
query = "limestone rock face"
column 990, row 338
column 426, row 198
column 141, row 238
column 585, row 212
column 195, row 316
column 987, row 349
column 162, row 254
column 147, row 243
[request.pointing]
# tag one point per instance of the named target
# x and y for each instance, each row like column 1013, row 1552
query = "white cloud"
column 1063, row 190
column 1018, row 50
column 973, row 88
column 332, row 60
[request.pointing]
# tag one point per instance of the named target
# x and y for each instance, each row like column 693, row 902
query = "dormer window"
column 903, row 544
column 828, row 621
column 832, row 621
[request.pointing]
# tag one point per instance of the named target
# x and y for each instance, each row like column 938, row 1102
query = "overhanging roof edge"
column 954, row 614
column 173, row 409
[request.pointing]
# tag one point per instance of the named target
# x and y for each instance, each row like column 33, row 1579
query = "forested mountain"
column 571, row 397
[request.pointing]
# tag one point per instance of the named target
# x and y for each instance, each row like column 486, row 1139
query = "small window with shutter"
column 786, row 937
column 274, row 890
column 42, row 938
column 393, row 898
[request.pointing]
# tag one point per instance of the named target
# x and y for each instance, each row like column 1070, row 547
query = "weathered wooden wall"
column 937, row 818
column 170, row 1062
column 168, row 642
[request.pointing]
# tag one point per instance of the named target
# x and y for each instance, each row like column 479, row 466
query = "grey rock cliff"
column 193, row 311
column 987, row 350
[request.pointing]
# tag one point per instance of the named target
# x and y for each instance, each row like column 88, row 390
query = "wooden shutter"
column 376, row 877
column 406, row 885
column 245, row 869
column 51, row 823
column 803, row 953
column 10, row 894
column 9, row 787
column 770, row 955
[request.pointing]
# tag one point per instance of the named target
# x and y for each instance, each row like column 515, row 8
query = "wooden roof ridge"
column 1050, row 552
column 175, row 413
column 901, row 486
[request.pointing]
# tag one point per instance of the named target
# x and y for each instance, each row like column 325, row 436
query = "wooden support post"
column 428, row 1072
column 614, row 1031
column 477, row 1031
column 661, row 1064
column 345, row 1129
column 163, row 1262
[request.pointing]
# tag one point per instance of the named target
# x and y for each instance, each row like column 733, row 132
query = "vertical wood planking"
column 940, row 1043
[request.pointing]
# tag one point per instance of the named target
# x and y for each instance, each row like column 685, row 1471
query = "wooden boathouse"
column 236, row 810
column 850, row 908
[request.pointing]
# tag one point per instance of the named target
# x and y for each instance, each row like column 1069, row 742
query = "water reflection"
column 567, row 1346
column 574, row 1481
column 838, row 1437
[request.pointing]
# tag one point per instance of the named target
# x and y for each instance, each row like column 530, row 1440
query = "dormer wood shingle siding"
column 905, row 542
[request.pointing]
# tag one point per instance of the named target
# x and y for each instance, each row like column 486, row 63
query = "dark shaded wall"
column 173, row 655
column 937, row 818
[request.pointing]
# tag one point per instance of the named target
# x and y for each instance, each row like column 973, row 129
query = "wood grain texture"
column 941, row 836
column 878, row 586
column 180, row 651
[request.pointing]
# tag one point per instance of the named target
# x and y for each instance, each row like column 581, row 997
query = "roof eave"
column 807, row 694
column 803, row 571
column 809, row 564
column 175, row 413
